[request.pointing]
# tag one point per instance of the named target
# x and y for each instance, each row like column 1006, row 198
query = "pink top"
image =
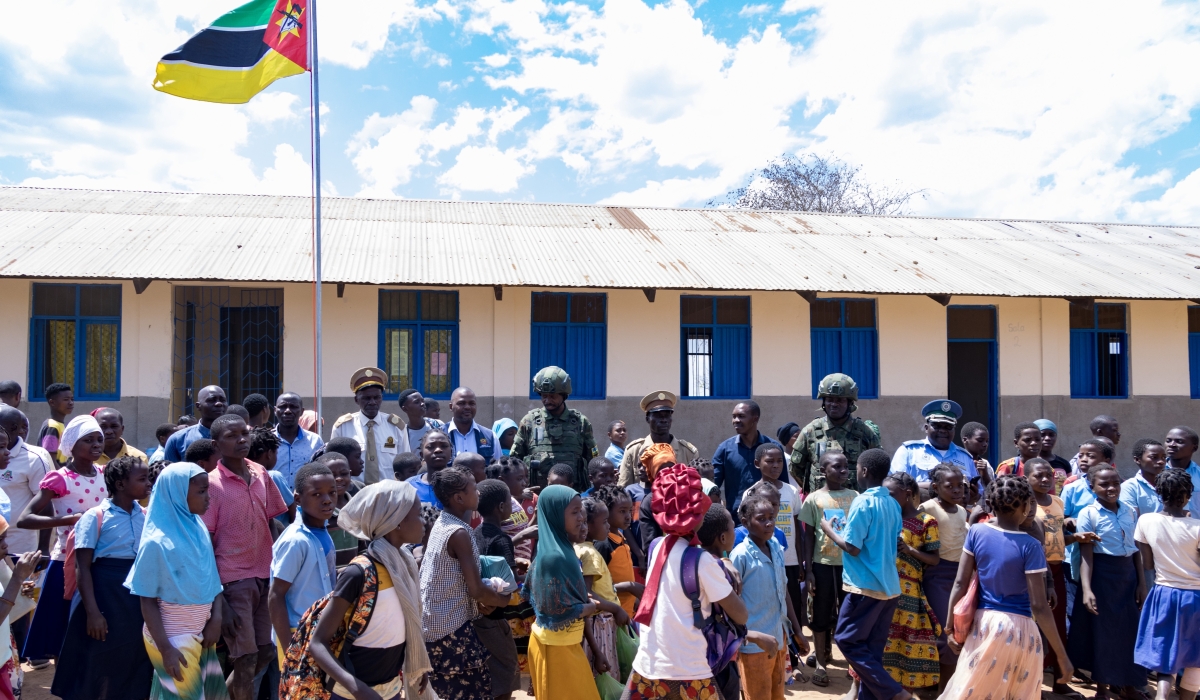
column 73, row 494
column 238, row 517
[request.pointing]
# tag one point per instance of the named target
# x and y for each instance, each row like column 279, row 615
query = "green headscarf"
column 555, row 582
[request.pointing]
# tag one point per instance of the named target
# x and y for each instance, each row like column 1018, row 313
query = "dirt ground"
column 37, row 685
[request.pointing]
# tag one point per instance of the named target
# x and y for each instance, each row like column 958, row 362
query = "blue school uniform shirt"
column 1140, row 496
column 764, row 585
column 1002, row 559
column 1076, row 496
column 1193, row 505
column 119, row 533
column 614, row 454
column 1115, row 529
column 873, row 525
column 285, row 490
column 425, row 491
column 304, row 557
column 740, row 533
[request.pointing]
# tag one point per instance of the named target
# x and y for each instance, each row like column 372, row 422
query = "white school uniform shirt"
column 1174, row 542
column 789, row 508
column 27, row 464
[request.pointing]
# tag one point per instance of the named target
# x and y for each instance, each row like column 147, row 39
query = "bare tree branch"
column 819, row 184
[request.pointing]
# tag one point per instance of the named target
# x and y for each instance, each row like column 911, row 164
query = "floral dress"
column 911, row 655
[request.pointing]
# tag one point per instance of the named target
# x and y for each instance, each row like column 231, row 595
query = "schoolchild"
column 1169, row 542
column 1105, row 620
column 345, row 544
column 617, row 438
column 1138, row 491
column 406, row 465
column 452, row 591
column 495, row 505
column 1060, row 465
column 616, row 550
column 911, row 654
column 976, row 439
column 949, row 488
column 823, row 558
column 22, row 569
column 1028, row 439
column 436, row 453
column 103, row 654
column 869, row 577
column 769, row 459
column 203, row 452
column 601, row 472
column 600, row 630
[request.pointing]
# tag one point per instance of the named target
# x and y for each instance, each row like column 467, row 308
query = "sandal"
column 798, row 676
column 820, row 679
column 811, row 661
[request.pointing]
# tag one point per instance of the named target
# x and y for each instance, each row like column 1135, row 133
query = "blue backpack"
column 723, row 635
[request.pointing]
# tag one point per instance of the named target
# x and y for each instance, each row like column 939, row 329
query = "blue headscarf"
column 555, row 582
column 500, row 427
column 175, row 560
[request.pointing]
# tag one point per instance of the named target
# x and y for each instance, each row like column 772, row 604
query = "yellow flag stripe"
column 223, row 85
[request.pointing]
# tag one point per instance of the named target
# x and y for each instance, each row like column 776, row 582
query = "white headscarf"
column 372, row 513
column 77, row 428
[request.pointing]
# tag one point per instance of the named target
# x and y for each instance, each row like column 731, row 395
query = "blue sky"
column 1070, row 111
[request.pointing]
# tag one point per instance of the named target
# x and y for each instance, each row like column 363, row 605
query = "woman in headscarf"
column 379, row 594
column 70, row 490
column 505, row 431
column 10, row 602
column 555, row 587
column 175, row 574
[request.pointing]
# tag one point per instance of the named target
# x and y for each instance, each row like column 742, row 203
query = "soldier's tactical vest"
column 560, row 441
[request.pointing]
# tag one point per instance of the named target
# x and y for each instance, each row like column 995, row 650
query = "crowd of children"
column 221, row 576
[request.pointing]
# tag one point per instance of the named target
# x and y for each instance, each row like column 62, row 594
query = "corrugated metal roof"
column 238, row 238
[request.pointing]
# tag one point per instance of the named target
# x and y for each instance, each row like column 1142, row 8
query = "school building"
column 138, row 299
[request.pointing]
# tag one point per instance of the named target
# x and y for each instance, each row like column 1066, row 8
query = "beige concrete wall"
column 912, row 346
column 15, row 303
column 1056, row 347
column 1158, row 353
column 643, row 342
column 779, row 344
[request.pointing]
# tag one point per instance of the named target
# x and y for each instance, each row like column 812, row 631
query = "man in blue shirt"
column 211, row 404
column 296, row 445
column 919, row 457
column 869, row 576
column 1181, row 444
column 733, row 462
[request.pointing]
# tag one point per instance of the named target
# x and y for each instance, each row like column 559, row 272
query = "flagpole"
column 315, row 126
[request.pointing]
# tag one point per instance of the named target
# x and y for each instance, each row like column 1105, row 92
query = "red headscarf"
column 679, row 505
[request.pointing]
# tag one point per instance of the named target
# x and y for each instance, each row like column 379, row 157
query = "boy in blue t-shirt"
column 303, row 558
column 869, row 577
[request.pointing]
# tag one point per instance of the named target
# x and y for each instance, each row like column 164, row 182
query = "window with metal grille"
column 75, row 338
column 418, row 341
column 845, row 339
column 714, row 347
column 1099, row 351
column 1194, row 348
column 571, row 331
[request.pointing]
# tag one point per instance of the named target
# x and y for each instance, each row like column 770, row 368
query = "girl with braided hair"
column 1169, row 542
column 1003, row 651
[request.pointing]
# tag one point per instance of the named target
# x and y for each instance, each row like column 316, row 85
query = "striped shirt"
column 445, row 603
column 184, row 619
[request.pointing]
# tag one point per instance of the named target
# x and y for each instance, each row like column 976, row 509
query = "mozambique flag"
column 243, row 52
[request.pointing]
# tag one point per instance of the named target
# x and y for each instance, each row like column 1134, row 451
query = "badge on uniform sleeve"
column 390, row 444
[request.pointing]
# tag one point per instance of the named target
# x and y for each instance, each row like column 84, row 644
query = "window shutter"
column 826, row 355
column 585, row 360
column 731, row 361
column 1083, row 364
column 860, row 360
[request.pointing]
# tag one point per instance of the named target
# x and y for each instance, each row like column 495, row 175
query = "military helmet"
column 552, row 380
column 838, row 384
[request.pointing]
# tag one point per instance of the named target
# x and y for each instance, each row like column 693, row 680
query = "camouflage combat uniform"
column 549, row 440
column 852, row 437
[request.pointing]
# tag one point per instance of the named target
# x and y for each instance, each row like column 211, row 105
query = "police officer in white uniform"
column 919, row 457
column 381, row 435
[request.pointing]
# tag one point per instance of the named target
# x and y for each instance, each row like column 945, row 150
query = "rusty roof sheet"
column 60, row 233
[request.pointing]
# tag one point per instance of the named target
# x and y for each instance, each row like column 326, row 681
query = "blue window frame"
column 571, row 331
column 1194, row 348
column 845, row 339
column 418, row 341
column 75, row 338
column 1099, row 351
column 714, row 338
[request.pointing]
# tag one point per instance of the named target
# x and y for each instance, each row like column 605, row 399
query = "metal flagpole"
column 315, row 109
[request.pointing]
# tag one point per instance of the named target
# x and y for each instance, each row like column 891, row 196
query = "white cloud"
column 272, row 107
column 485, row 168
column 754, row 10
column 352, row 32
column 497, row 60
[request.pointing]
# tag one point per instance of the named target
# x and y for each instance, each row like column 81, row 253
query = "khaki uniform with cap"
column 685, row 452
column 381, row 438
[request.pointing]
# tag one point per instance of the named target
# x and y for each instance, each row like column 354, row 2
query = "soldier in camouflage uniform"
column 554, row 434
column 838, row 429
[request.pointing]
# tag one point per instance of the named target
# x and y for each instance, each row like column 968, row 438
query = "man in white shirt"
column 20, row 479
column 465, row 434
column 381, row 435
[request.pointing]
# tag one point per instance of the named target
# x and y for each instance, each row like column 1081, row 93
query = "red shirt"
column 238, row 517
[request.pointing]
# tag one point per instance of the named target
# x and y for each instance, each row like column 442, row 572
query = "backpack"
column 301, row 678
column 723, row 636
column 70, row 580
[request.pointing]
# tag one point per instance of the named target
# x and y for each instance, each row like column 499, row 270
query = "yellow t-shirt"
column 1051, row 518
column 952, row 528
column 593, row 565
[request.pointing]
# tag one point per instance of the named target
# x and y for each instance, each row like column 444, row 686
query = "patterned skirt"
column 202, row 678
column 459, row 663
column 604, row 631
column 640, row 688
column 1003, row 655
column 911, row 654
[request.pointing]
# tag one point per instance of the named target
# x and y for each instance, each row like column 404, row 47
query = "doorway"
column 972, row 367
